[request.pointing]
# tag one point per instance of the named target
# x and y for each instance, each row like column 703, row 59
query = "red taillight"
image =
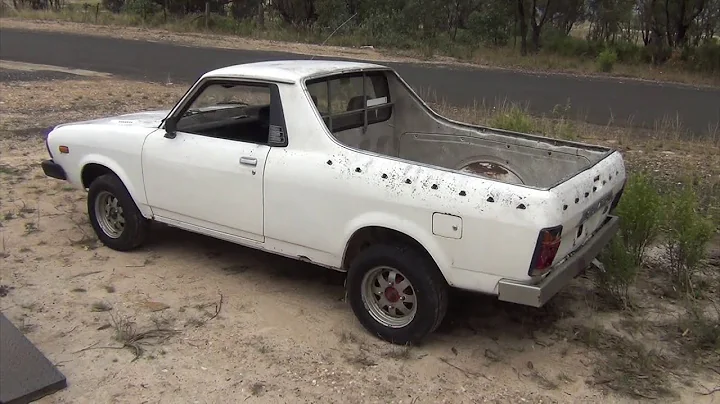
column 545, row 250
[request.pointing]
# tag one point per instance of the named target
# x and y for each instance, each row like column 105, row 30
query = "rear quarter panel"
column 317, row 193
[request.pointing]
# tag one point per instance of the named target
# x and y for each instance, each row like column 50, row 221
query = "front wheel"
column 397, row 293
column 114, row 216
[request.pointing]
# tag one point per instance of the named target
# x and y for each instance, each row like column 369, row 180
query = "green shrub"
column 700, row 328
column 606, row 60
column 619, row 273
column 558, row 43
column 512, row 117
column 687, row 234
column 705, row 58
column 628, row 52
column 640, row 211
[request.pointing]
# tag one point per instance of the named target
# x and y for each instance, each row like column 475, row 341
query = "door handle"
column 248, row 161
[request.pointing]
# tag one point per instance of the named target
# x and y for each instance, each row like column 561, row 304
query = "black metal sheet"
column 25, row 373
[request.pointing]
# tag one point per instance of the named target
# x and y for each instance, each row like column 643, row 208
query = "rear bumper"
column 53, row 169
column 539, row 294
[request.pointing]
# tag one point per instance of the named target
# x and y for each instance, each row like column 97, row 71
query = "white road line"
column 11, row 65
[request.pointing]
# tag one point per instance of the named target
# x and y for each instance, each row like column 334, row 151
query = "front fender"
column 132, row 183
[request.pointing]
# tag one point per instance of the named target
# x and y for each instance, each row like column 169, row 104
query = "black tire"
column 429, row 286
column 136, row 225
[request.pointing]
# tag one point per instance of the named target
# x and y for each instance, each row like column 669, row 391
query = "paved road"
column 596, row 100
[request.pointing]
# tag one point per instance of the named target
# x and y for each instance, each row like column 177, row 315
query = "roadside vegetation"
column 674, row 40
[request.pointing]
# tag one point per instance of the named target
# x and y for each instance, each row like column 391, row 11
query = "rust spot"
column 491, row 170
column 577, row 200
column 462, row 193
column 587, row 194
column 565, row 207
column 521, row 206
column 491, row 199
column 384, row 176
column 329, row 162
column 434, row 186
column 407, row 181
column 594, row 189
column 357, row 169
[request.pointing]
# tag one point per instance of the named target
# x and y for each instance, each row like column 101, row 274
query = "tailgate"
column 586, row 199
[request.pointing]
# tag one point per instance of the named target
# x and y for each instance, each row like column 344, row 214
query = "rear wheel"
column 114, row 216
column 397, row 293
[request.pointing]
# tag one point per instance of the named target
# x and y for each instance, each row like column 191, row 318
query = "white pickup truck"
column 343, row 165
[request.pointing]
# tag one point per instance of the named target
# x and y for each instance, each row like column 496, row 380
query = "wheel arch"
column 95, row 166
column 372, row 233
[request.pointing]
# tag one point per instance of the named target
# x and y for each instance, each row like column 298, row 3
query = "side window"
column 229, row 110
column 344, row 100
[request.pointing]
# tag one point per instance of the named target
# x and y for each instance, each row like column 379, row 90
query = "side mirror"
column 170, row 128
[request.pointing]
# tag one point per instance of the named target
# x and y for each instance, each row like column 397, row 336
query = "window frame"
column 277, row 132
column 327, row 119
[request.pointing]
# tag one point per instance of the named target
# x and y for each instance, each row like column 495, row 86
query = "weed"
column 30, row 228
column 194, row 322
column 257, row 388
column 8, row 216
column 100, row 307
column 346, row 337
column 619, row 273
column 129, row 337
column 8, row 170
column 26, row 328
column 606, row 60
column 361, row 358
column 402, row 352
column 688, row 232
column 26, row 209
column 513, row 118
column 110, row 288
column 699, row 330
column 626, row 366
column 641, row 211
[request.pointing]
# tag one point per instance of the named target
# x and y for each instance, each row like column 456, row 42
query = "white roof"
column 292, row 71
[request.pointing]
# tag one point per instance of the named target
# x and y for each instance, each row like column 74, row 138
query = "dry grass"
column 181, row 31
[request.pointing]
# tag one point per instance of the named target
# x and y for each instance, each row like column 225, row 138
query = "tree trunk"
column 523, row 27
column 261, row 14
column 536, row 37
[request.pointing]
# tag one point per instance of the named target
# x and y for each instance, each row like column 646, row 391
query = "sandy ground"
column 215, row 322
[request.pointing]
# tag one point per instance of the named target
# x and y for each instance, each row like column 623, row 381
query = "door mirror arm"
column 171, row 127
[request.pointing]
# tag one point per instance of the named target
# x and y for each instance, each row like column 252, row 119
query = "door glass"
column 235, row 111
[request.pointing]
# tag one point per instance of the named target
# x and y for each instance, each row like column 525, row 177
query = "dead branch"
column 218, row 307
column 709, row 392
column 84, row 274
column 467, row 373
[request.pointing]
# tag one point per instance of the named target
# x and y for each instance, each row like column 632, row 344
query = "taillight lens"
column 545, row 250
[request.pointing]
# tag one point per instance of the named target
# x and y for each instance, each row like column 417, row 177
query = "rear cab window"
column 351, row 100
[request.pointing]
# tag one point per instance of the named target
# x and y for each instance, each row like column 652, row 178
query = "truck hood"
column 144, row 119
